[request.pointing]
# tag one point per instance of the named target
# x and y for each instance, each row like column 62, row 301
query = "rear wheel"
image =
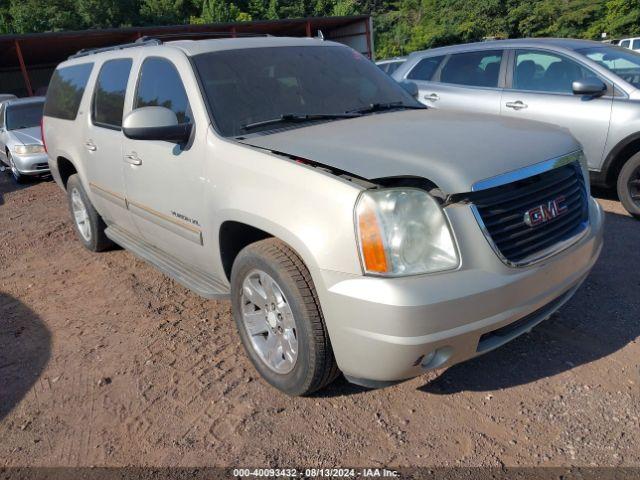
column 279, row 319
column 88, row 224
column 629, row 185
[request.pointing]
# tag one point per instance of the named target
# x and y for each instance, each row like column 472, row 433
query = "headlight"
column 403, row 231
column 28, row 149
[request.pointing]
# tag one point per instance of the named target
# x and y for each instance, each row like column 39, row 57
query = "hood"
column 27, row 136
column 452, row 149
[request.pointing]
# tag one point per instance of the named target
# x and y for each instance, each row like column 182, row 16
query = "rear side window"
column 160, row 85
column 425, row 68
column 476, row 69
column 625, row 43
column 65, row 91
column 108, row 99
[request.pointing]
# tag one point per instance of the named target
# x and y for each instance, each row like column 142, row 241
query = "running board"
column 201, row 283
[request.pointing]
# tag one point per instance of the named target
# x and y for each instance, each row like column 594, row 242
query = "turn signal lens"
column 371, row 242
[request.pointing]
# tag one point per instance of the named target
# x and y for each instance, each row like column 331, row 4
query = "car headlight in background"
column 28, row 149
column 403, row 231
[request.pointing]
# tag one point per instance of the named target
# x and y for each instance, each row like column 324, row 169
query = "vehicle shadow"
column 7, row 185
column 25, row 348
column 599, row 320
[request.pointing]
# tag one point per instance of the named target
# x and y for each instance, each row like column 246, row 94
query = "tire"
column 90, row 231
column 17, row 176
column 628, row 185
column 314, row 366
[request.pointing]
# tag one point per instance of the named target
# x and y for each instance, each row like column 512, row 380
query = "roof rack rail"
column 141, row 42
column 186, row 35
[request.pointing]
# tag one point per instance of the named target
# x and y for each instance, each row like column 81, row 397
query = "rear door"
column 103, row 142
column 469, row 81
column 540, row 88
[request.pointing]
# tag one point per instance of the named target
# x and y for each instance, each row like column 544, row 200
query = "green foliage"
column 401, row 26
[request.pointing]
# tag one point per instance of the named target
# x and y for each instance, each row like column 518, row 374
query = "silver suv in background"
column 589, row 88
column 353, row 229
column 21, row 147
column 390, row 65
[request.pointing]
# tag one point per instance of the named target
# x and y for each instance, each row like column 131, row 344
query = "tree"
column 107, row 13
column 29, row 16
column 218, row 11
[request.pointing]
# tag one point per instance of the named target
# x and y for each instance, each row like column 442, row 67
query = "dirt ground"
column 104, row 361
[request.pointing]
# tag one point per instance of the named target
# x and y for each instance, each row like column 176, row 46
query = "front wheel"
column 15, row 173
column 278, row 316
column 629, row 185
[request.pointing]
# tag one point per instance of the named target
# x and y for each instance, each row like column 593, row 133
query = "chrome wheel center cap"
column 272, row 319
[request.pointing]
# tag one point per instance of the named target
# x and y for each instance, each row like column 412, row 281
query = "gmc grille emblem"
column 545, row 212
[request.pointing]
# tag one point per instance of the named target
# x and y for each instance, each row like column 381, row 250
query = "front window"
column 248, row 86
column 547, row 72
column 24, row 116
column 622, row 62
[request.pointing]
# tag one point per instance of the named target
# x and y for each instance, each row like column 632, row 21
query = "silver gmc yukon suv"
column 353, row 229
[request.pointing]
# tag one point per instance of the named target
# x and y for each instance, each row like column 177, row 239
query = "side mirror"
column 155, row 123
column 410, row 87
column 589, row 86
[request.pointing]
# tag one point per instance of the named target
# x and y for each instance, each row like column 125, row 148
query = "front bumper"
column 385, row 330
column 34, row 164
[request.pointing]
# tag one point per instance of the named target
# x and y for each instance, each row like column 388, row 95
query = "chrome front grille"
column 533, row 217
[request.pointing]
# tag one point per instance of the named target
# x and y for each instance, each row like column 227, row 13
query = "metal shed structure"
column 27, row 61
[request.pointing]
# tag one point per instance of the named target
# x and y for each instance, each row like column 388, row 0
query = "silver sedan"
column 21, row 146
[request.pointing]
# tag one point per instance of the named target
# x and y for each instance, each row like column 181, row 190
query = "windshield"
column 623, row 62
column 247, row 86
column 24, row 116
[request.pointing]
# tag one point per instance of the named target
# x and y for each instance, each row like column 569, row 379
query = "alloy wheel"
column 634, row 186
column 80, row 215
column 269, row 322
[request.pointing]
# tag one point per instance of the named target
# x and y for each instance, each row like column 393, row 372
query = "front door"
column 103, row 143
column 164, row 180
column 541, row 89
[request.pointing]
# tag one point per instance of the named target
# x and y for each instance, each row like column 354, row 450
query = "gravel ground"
column 104, row 361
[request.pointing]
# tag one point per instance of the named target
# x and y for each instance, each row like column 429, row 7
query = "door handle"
column 434, row 97
column 517, row 105
column 90, row 146
column 133, row 159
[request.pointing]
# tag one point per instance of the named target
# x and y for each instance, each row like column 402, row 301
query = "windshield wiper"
column 293, row 118
column 378, row 107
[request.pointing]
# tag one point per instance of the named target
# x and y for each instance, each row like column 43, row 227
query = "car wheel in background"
column 629, row 185
column 278, row 316
column 15, row 173
column 88, row 224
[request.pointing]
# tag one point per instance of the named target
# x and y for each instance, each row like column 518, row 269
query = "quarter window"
column 625, row 43
column 547, row 72
column 425, row 68
column 108, row 99
column 477, row 69
column 65, row 91
column 160, row 85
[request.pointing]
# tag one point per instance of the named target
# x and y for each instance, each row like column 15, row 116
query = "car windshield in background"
column 24, row 116
column 623, row 62
column 282, row 85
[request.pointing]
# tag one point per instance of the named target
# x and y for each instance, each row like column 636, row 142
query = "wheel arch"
column 242, row 229
column 66, row 168
column 617, row 157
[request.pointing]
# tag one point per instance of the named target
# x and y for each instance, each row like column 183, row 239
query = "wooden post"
column 23, row 68
column 308, row 28
column 233, row 32
column 368, row 31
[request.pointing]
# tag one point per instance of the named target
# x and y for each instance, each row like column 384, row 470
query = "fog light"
column 436, row 358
